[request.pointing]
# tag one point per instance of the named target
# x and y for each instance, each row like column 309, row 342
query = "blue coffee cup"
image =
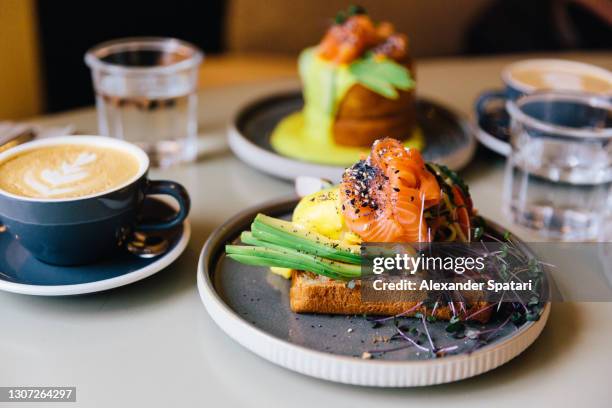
column 557, row 74
column 81, row 230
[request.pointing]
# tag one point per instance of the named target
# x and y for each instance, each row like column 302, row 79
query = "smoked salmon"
column 350, row 38
column 385, row 196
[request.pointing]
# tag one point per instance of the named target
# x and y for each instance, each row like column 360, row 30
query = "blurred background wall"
column 20, row 80
column 42, row 42
column 435, row 27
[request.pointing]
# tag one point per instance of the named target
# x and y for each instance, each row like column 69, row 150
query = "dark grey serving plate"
column 261, row 300
column 449, row 138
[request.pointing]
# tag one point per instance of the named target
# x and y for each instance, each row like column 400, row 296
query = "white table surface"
column 152, row 344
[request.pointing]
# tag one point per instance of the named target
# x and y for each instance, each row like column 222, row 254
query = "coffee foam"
column 66, row 171
column 560, row 75
column 562, row 80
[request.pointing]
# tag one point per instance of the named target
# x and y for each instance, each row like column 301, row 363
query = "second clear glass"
column 559, row 174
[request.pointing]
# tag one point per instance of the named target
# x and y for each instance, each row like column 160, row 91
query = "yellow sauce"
column 291, row 139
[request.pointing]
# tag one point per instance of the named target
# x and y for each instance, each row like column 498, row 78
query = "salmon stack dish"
column 358, row 85
column 390, row 196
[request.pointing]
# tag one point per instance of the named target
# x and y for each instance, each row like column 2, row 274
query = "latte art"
column 61, row 181
column 66, row 171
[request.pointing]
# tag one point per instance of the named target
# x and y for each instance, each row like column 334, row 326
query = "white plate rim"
column 351, row 370
column 287, row 168
column 105, row 284
column 275, row 164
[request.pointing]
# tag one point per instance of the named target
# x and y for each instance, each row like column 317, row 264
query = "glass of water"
column 146, row 94
column 559, row 175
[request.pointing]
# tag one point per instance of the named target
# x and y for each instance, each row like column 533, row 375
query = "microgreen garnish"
column 394, row 318
column 478, row 232
column 456, row 180
column 455, row 325
column 465, row 333
column 411, row 340
column 433, row 348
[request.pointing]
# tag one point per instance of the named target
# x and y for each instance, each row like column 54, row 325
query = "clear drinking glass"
column 559, row 175
column 146, row 94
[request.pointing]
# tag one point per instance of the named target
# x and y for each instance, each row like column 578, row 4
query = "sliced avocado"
column 287, row 258
column 290, row 235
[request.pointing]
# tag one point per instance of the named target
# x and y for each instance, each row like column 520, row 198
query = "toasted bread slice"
column 312, row 293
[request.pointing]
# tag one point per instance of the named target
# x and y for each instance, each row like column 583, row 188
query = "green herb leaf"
column 504, row 250
column 532, row 316
column 340, row 17
column 383, row 76
column 533, row 301
column 455, row 179
column 517, row 318
column 535, row 268
column 454, row 327
column 503, row 272
column 355, row 9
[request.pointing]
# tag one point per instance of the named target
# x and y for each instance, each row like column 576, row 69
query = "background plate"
column 449, row 138
column 252, row 306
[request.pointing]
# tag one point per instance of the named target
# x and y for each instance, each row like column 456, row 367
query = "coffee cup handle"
column 176, row 191
column 485, row 98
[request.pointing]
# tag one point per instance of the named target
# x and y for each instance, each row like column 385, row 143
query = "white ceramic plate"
column 251, row 306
